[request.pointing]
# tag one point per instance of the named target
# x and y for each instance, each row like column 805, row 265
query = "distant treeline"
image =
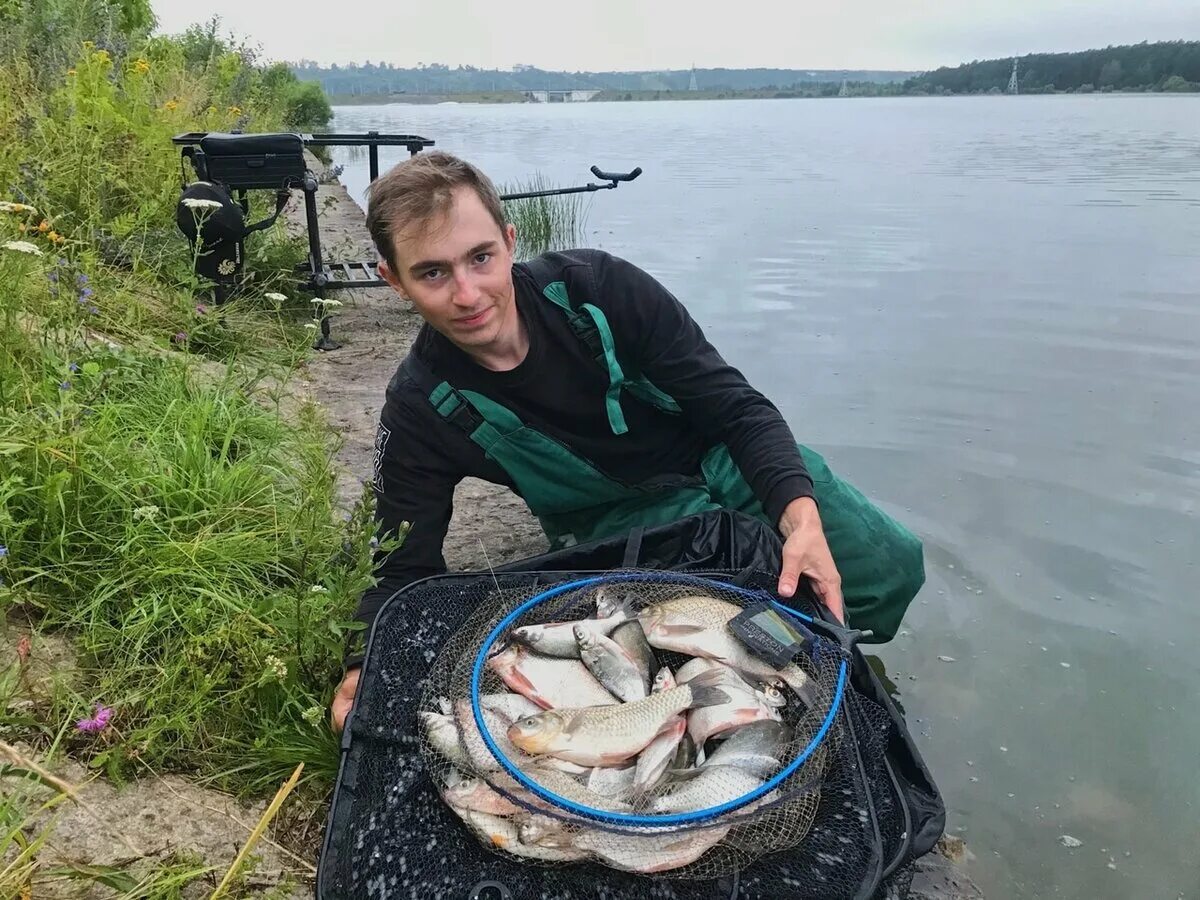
column 1164, row 66
column 369, row 78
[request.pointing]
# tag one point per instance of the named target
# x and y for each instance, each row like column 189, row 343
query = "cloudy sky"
column 587, row 35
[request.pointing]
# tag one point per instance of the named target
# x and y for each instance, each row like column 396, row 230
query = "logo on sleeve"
column 381, row 439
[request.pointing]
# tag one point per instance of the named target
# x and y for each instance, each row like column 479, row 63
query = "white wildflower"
column 318, row 589
column 314, row 716
column 9, row 207
column 312, row 325
column 22, row 247
column 275, row 296
column 319, row 301
column 277, row 667
column 200, row 203
column 146, row 512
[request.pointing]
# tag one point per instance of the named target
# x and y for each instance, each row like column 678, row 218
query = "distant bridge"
column 560, row 96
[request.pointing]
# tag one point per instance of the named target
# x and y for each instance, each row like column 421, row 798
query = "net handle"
column 625, row 818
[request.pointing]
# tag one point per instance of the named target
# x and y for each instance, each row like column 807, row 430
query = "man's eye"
column 481, row 258
column 431, row 274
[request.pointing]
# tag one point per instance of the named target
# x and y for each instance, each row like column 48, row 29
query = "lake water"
column 986, row 313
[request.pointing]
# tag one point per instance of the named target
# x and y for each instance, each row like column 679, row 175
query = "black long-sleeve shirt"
column 560, row 389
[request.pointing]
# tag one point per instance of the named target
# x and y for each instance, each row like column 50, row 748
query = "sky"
column 622, row 35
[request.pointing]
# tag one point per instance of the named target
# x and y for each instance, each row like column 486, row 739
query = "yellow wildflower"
column 70, row 72
column 211, row 110
column 102, row 57
column 22, row 228
column 235, row 110
column 88, row 45
column 43, row 226
column 55, row 237
column 6, row 206
column 170, row 106
column 141, row 66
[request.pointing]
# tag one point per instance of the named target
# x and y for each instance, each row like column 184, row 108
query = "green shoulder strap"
column 590, row 325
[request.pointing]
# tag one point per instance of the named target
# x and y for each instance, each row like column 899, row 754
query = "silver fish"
column 442, row 734
column 511, row 706
column 610, row 735
column 474, row 794
column 558, row 638
column 758, row 748
column 610, row 781
column 744, row 707
column 661, row 752
column 546, row 831
column 612, row 666
column 568, row 788
column 504, row 834
column 632, row 639
column 648, row 853
column 698, row 626
column 548, row 682
column 477, row 751
column 711, row 786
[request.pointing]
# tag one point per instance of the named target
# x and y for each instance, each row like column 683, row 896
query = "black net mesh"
column 419, row 814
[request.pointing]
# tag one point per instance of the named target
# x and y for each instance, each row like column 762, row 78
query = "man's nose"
column 466, row 291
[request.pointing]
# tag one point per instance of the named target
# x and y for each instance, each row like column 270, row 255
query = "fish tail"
column 705, row 691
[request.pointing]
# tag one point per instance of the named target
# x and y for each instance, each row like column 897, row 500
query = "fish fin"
column 679, row 630
column 797, row 679
column 525, row 688
column 704, row 690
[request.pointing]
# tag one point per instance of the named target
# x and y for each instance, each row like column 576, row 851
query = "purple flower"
column 93, row 310
column 85, row 293
column 201, row 308
column 179, row 337
column 3, row 552
column 74, row 367
column 81, row 280
column 53, row 276
column 64, row 386
column 98, row 722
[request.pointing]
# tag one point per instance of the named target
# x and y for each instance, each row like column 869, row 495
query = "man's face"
column 457, row 271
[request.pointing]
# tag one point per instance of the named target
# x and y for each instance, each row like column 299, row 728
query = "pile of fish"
column 593, row 717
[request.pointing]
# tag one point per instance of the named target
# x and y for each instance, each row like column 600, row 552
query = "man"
column 580, row 382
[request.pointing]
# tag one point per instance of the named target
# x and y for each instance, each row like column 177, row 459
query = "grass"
column 544, row 223
column 166, row 499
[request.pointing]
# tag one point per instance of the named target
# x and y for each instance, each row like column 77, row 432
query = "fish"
column 610, row 735
column 548, row 682
column 629, row 635
column 557, row 639
column 442, row 735
column 744, row 707
column 481, row 758
column 649, row 853
column 708, row 787
column 568, row 788
column 504, row 834
column 613, row 667
column 698, row 626
column 469, row 793
column 757, row 748
column 546, row 831
column 510, row 706
column 610, row 781
column 660, row 753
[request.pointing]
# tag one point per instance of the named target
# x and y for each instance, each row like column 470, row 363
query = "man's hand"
column 805, row 553
column 344, row 699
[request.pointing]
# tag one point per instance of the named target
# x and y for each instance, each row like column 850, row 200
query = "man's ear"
column 510, row 237
column 386, row 273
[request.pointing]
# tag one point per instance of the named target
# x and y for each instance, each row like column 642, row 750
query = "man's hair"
column 419, row 189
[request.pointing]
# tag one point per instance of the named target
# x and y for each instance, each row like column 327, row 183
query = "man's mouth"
column 473, row 320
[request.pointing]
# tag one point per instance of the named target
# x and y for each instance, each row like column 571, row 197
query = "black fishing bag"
column 390, row 835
